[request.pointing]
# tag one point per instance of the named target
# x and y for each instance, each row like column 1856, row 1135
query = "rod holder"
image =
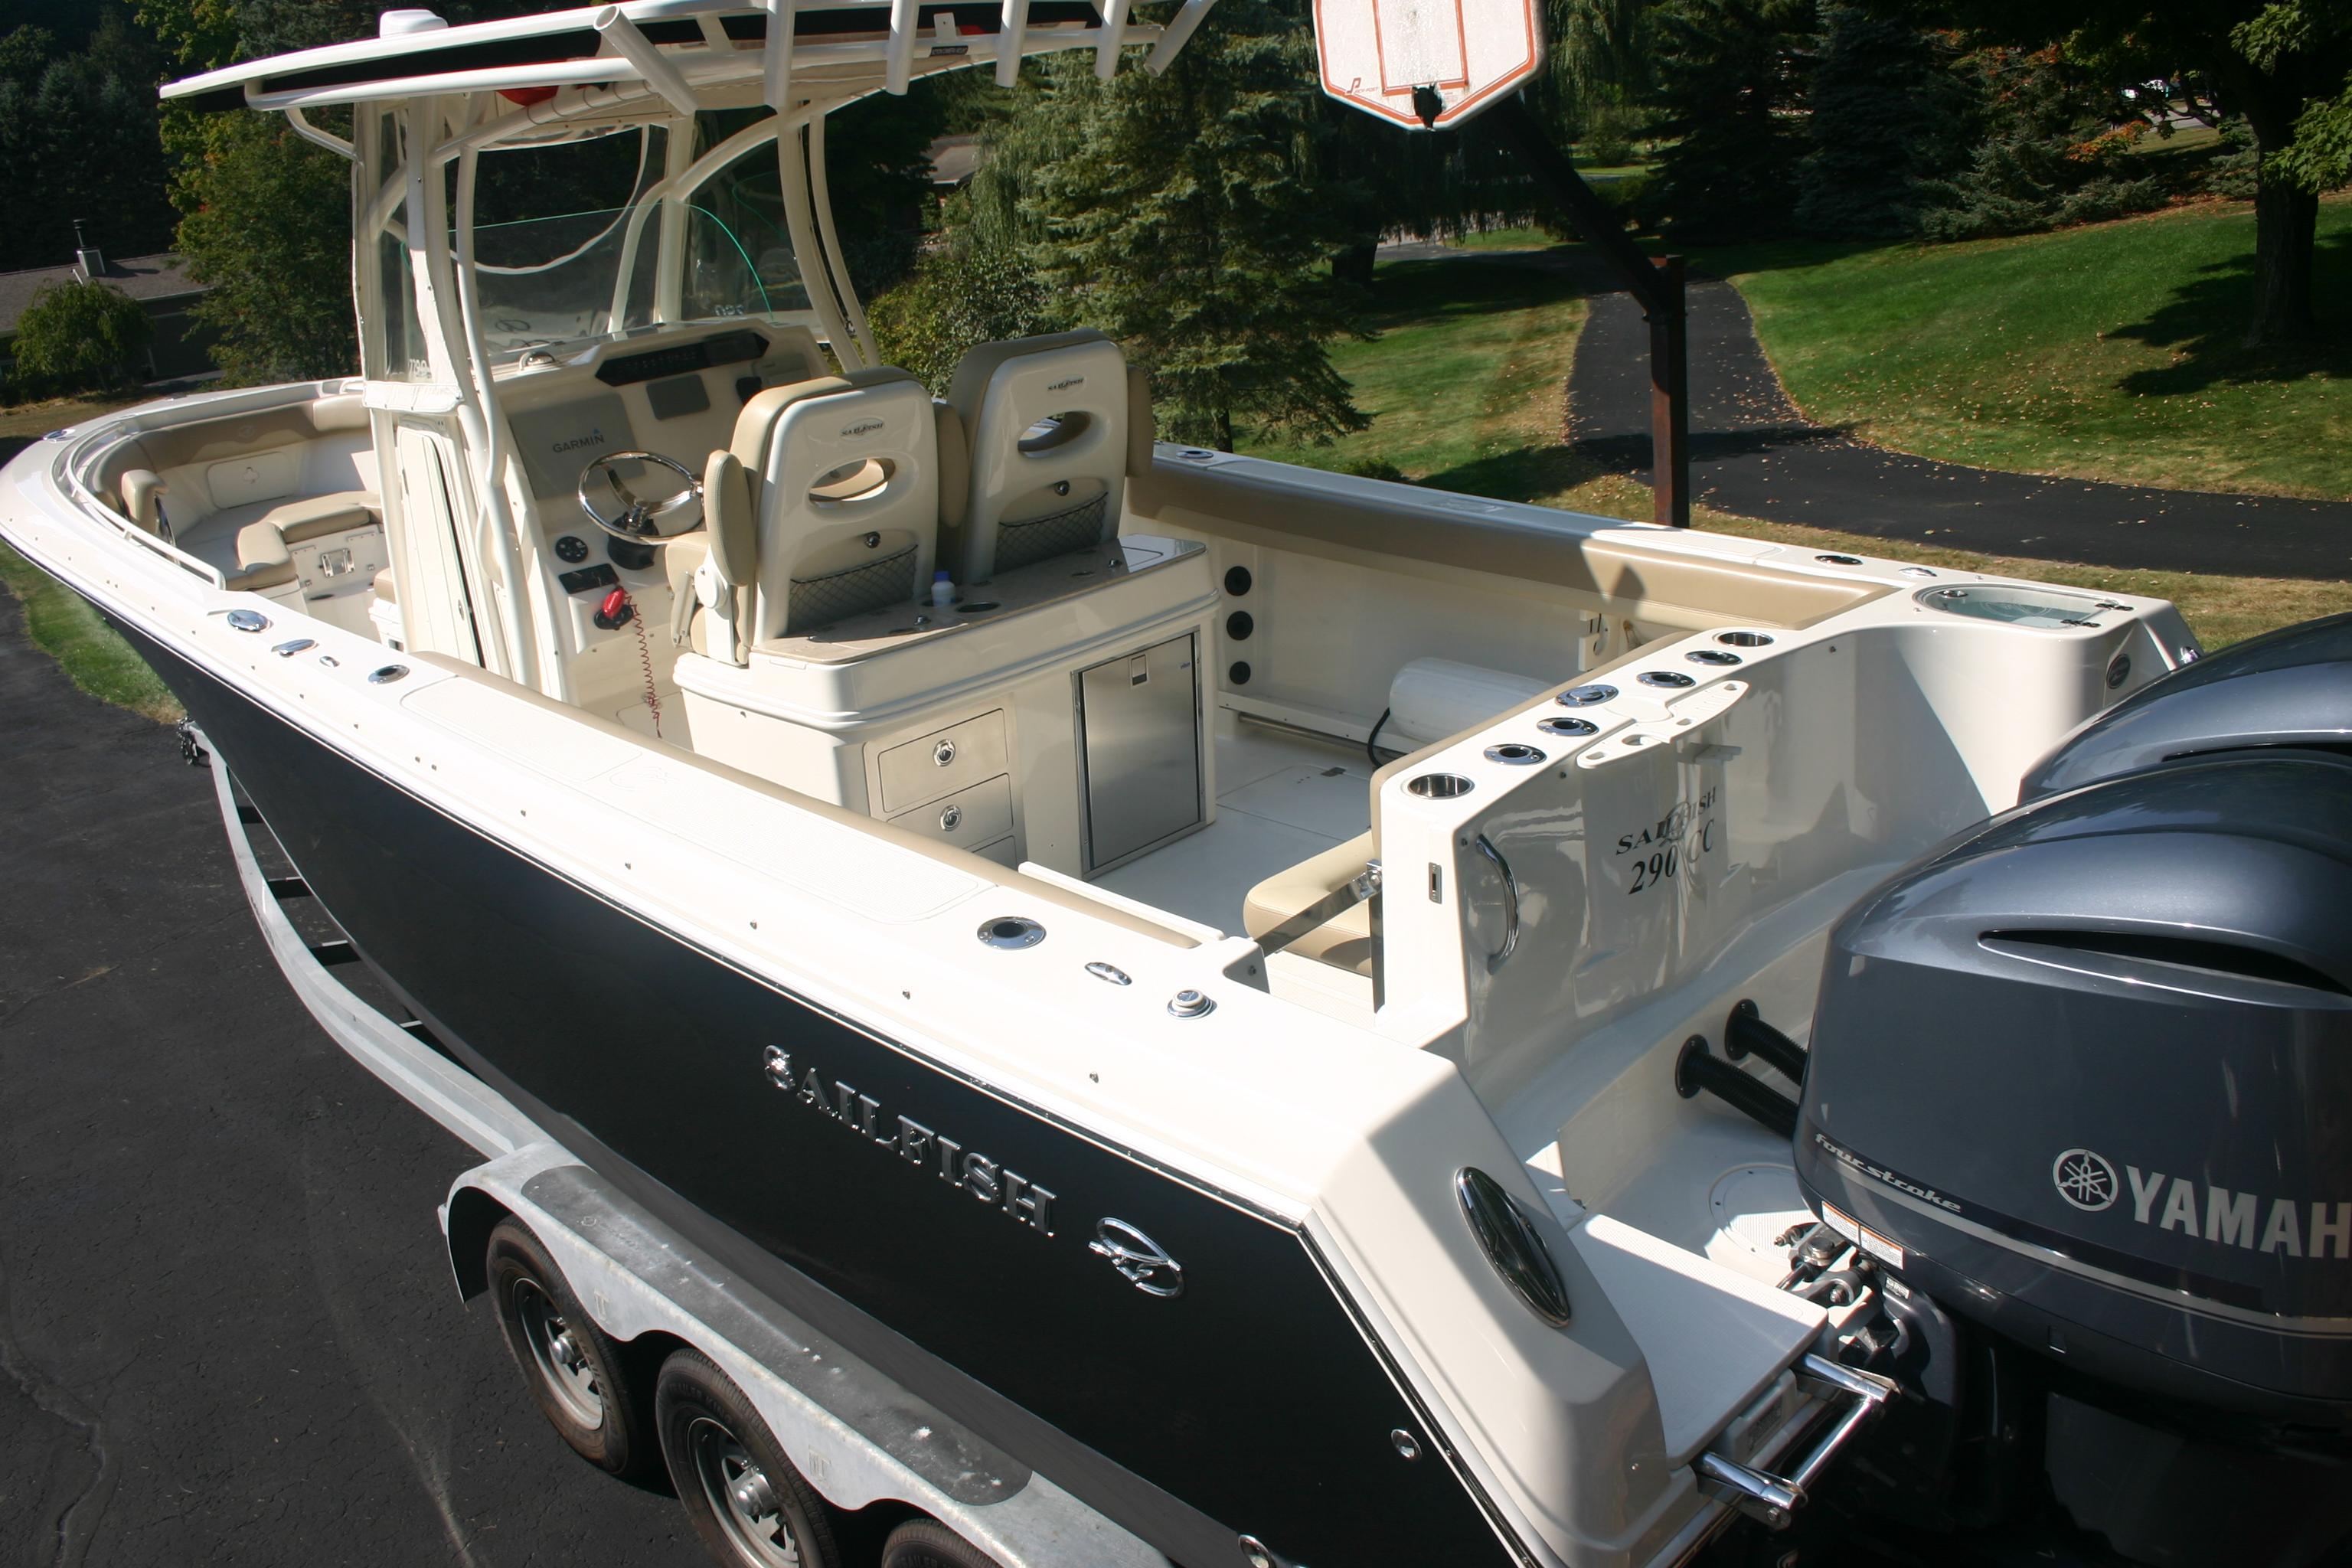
column 1698, row 1070
column 1745, row 1032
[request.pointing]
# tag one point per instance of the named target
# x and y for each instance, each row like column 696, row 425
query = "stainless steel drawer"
column 942, row 763
column 966, row 819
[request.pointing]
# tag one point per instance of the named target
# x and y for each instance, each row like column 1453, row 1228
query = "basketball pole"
column 1657, row 287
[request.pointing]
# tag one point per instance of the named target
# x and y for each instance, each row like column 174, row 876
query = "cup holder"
column 1672, row 679
column 1588, row 696
column 1439, row 787
column 977, row 608
column 1743, row 639
column 1516, row 754
column 1012, row 931
column 1840, row 560
column 1565, row 726
column 1714, row 655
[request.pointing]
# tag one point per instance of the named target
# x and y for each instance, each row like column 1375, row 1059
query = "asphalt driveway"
column 227, row 1333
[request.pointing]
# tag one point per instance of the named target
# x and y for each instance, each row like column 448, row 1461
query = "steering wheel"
column 637, row 518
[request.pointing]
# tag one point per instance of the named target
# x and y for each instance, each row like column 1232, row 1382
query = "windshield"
column 550, row 278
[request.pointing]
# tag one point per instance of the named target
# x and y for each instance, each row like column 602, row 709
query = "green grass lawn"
column 1466, row 378
column 62, row 624
column 2109, row 352
column 1467, row 388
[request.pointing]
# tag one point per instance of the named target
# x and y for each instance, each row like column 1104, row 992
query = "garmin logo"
column 969, row 1172
column 863, row 428
column 596, row 437
column 1065, row 383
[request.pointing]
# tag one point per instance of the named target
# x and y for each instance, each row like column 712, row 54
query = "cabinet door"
column 1138, row 717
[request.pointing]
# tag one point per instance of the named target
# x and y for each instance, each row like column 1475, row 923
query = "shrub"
column 959, row 296
column 1610, row 130
column 80, row 337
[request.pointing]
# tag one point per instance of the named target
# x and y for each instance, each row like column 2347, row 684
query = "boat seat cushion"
column 385, row 589
column 262, row 559
column 1045, row 421
column 143, row 499
column 1344, row 942
column 298, row 518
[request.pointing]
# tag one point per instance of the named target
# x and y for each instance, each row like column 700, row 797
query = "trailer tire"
column 750, row 1507
column 576, row 1373
column 927, row 1544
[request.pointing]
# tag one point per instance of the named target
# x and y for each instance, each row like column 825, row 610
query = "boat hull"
column 935, row 1227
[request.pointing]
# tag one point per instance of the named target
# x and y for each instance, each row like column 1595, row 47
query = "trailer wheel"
column 573, row 1368
column 927, row 1544
column 750, row 1507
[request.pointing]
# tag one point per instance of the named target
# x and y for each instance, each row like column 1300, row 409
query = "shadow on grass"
column 1522, row 475
column 1413, row 293
column 2204, row 325
column 1631, row 454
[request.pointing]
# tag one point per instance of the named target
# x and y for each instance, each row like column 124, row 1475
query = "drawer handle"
column 943, row 754
column 951, row 819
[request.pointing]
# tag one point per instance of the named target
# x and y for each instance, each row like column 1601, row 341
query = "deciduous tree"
column 80, row 337
column 2272, row 62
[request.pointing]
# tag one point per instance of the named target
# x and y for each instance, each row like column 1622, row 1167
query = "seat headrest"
column 968, row 387
column 760, row 415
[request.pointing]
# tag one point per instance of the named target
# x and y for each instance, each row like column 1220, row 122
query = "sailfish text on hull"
column 969, row 1170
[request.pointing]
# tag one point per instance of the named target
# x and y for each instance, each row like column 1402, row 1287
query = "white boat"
column 1217, row 977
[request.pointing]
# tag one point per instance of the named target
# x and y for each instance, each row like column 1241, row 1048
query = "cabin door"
column 439, row 576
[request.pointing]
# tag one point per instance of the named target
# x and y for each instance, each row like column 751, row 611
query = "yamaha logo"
column 863, row 428
column 2084, row 1180
column 1066, row 382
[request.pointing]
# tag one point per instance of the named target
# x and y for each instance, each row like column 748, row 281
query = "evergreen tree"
column 2050, row 155
column 1731, row 89
column 1890, row 118
column 77, row 128
column 1187, row 215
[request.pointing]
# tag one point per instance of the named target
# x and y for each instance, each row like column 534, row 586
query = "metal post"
column 1657, row 287
column 1670, row 401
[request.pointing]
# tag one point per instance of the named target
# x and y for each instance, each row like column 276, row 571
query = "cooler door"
column 1140, row 740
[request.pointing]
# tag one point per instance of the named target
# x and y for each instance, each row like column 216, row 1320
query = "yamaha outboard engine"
column 2082, row 1076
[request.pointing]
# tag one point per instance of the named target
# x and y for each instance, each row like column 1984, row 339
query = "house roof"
column 140, row 277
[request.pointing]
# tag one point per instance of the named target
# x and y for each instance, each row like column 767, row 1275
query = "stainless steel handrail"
column 1510, row 904
column 1774, row 1498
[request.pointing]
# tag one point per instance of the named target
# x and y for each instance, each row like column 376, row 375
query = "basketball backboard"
column 1387, row 56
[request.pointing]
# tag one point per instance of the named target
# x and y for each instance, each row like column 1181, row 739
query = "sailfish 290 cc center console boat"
column 1271, row 1006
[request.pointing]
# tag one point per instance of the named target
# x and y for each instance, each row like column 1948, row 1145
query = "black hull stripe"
column 1256, row 1402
